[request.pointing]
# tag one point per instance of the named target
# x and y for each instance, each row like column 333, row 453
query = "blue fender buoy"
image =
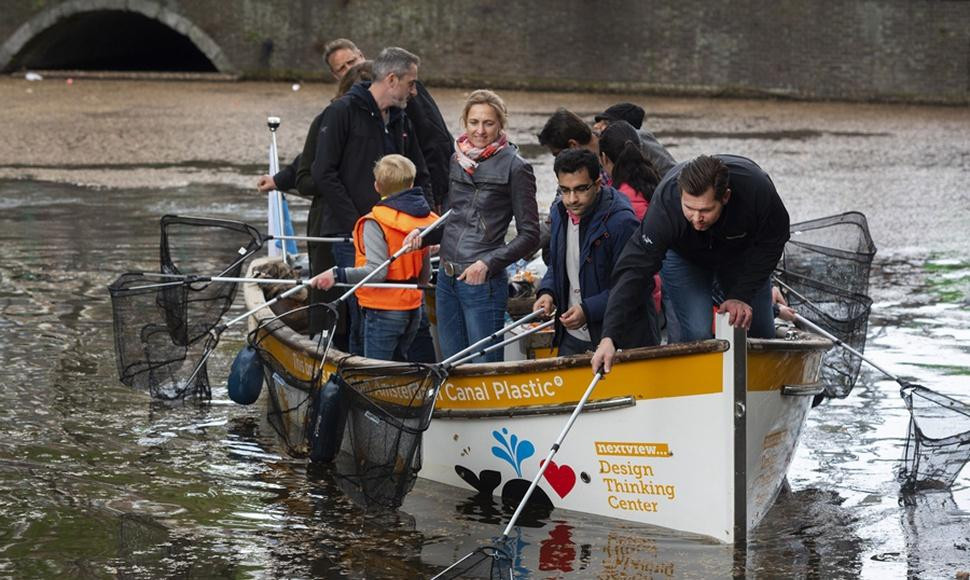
column 246, row 376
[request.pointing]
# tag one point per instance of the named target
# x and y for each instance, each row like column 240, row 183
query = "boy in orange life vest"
column 390, row 315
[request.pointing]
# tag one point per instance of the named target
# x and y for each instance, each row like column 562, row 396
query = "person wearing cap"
column 591, row 222
column 716, row 227
column 658, row 155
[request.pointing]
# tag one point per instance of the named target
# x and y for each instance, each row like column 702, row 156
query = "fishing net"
column 938, row 443
column 210, row 247
column 844, row 314
column 491, row 562
column 824, row 273
column 151, row 334
column 165, row 329
column 289, row 397
column 388, row 409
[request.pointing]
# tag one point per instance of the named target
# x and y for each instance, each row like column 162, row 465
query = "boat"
column 694, row 437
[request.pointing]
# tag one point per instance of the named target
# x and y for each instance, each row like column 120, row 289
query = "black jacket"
column 742, row 247
column 437, row 144
column 351, row 138
column 503, row 187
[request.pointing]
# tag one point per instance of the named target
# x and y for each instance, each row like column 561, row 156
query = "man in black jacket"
column 716, row 228
column 354, row 132
column 437, row 144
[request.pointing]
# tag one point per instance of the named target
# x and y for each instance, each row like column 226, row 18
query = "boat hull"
column 695, row 437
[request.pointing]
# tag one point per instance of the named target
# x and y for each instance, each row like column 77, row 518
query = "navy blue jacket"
column 602, row 235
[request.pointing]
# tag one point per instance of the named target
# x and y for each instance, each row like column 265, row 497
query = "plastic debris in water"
column 296, row 87
column 32, row 76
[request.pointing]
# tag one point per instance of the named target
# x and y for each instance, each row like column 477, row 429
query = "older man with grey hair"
column 355, row 131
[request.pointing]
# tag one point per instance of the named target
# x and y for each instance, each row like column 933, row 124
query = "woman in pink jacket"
column 632, row 173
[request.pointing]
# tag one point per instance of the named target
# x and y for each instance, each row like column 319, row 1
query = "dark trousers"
column 572, row 345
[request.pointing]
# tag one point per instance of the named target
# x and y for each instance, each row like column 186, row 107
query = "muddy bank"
column 824, row 157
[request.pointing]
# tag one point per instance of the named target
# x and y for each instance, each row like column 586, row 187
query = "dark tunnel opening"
column 112, row 41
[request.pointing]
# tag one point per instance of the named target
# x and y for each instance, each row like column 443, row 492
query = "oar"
column 535, row 480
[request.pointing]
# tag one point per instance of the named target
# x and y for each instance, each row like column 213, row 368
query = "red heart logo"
column 562, row 478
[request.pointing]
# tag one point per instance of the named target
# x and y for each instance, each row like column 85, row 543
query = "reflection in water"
column 96, row 480
column 937, row 535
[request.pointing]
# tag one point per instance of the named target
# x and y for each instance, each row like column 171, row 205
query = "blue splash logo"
column 513, row 450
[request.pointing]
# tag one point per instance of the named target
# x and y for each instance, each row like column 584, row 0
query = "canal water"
column 97, row 480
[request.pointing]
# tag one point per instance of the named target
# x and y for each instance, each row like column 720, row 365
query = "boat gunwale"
column 253, row 295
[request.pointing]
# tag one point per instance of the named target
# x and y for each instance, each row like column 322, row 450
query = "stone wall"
column 905, row 50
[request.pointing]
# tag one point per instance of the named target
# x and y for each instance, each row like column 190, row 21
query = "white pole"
column 277, row 198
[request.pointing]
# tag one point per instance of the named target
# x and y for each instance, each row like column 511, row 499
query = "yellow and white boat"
column 694, row 437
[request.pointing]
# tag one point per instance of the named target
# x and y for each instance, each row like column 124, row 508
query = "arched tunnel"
column 111, row 40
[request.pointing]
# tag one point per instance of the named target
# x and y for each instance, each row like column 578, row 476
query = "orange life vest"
column 396, row 225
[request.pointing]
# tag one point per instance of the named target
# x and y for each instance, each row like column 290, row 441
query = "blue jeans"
column 691, row 291
column 468, row 313
column 343, row 256
column 388, row 333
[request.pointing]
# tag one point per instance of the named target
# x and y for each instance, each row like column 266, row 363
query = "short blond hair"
column 486, row 97
column 394, row 173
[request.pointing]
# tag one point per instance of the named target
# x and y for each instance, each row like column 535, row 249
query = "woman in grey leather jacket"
column 489, row 185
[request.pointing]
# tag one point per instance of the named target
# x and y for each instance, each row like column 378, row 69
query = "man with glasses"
column 591, row 223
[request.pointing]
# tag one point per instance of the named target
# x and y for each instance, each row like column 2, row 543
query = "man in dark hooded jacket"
column 716, row 229
column 356, row 131
column 591, row 223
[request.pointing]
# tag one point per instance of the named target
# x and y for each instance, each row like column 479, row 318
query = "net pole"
column 495, row 335
column 552, row 452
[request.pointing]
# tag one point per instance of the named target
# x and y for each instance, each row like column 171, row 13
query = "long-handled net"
column 938, row 442
column 151, row 332
column 824, row 273
column 164, row 329
column 192, row 245
column 388, row 408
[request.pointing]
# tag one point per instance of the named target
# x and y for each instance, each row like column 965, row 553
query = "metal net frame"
column 938, row 441
column 388, row 409
column 209, row 246
column 288, row 416
column 152, row 349
column 824, row 273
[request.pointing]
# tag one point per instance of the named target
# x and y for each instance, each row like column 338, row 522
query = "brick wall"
column 907, row 50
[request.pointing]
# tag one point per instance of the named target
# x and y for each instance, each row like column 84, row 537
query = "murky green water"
column 96, row 480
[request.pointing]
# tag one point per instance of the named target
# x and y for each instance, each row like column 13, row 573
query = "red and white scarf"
column 470, row 156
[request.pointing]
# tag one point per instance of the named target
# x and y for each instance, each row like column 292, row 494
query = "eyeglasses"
column 578, row 189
